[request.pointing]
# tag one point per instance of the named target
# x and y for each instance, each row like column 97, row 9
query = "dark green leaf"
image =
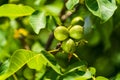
column 51, row 61
column 75, row 66
column 51, row 23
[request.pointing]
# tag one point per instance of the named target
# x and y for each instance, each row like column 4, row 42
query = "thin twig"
column 49, row 42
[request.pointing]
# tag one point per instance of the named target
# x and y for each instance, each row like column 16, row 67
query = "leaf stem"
column 15, row 77
column 54, row 51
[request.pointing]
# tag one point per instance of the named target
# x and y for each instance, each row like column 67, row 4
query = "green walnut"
column 61, row 33
column 76, row 32
column 68, row 46
column 77, row 21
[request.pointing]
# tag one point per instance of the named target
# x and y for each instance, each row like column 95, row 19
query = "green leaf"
column 4, row 54
column 51, row 61
column 37, row 63
column 21, row 57
column 118, row 76
column 38, row 21
column 51, row 23
column 57, row 19
column 71, row 3
column 3, row 67
column 75, row 66
column 104, row 9
column 77, row 75
column 2, row 39
column 92, row 70
column 86, row 76
column 14, row 11
column 36, row 4
column 80, row 78
column 54, row 8
column 18, row 60
column 37, row 47
column 39, row 74
column 28, row 73
column 101, row 78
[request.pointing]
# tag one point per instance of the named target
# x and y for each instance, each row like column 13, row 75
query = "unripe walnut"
column 68, row 46
column 77, row 21
column 61, row 33
column 76, row 32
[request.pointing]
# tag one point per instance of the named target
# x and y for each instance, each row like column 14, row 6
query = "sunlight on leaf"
column 14, row 11
column 71, row 3
column 54, row 8
column 37, row 63
column 21, row 57
column 104, row 9
column 38, row 21
column 18, row 60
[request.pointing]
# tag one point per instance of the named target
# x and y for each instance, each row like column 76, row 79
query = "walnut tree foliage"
column 59, row 40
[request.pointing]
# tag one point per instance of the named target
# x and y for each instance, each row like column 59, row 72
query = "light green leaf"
column 118, row 76
column 2, row 39
column 101, row 78
column 54, row 8
column 37, row 63
column 38, row 21
column 92, row 70
column 21, row 57
column 104, row 9
column 28, row 73
column 71, row 3
column 14, row 11
column 37, row 47
column 4, row 54
column 57, row 19
column 80, row 78
column 18, row 60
